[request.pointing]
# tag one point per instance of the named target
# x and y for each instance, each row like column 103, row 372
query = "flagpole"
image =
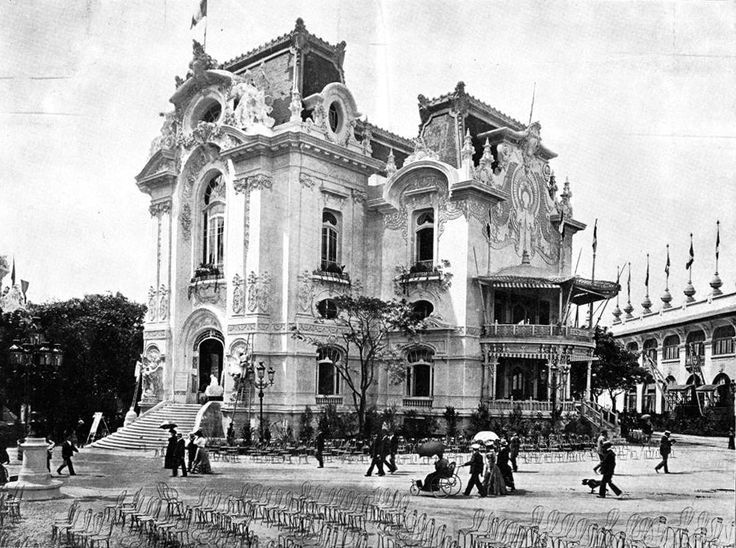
column 718, row 242
column 667, row 270
column 592, row 273
column 690, row 264
column 531, row 110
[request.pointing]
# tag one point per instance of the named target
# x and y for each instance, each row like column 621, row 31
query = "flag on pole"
column 200, row 14
column 24, row 287
column 12, row 275
column 692, row 254
column 562, row 224
column 718, row 238
column 667, row 265
column 646, row 280
column 595, row 236
column 628, row 284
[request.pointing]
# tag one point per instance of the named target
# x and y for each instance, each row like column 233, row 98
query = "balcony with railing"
column 321, row 399
column 517, row 332
column 527, row 407
column 331, row 272
column 411, row 401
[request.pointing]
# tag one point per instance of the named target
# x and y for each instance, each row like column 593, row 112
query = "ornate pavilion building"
column 270, row 195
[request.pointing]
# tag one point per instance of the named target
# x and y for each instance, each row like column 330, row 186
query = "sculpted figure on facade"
column 238, row 294
column 253, row 106
column 163, row 300
column 151, row 374
column 152, row 309
column 169, row 133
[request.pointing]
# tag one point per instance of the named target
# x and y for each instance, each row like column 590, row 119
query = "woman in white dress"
column 202, row 458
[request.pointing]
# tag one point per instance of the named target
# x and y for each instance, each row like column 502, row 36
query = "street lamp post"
column 34, row 479
column 260, row 382
column 559, row 367
column 38, row 354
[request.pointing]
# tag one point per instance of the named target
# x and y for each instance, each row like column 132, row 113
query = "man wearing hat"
column 665, row 448
column 476, row 470
column 608, row 466
column 503, row 464
column 170, row 455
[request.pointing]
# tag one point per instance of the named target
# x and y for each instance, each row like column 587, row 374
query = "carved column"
column 159, row 301
column 494, row 375
column 589, row 381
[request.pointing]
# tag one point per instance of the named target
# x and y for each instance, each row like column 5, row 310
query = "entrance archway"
column 210, row 351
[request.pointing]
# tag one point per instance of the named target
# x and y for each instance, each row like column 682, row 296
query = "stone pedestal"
column 34, row 479
column 130, row 417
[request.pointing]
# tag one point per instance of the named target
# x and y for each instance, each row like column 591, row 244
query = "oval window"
column 327, row 309
column 333, row 117
column 422, row 309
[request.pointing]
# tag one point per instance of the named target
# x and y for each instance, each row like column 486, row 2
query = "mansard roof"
column 298, row 37
column 479, row 106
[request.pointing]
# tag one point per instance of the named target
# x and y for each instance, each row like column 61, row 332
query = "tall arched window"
column 424, row 238
column 213, row 222
column 695, row 346
column 330, row 241
column 329, row 359
column 630, row 402
column 723, row 340
column 419, row 373
column 671, row 348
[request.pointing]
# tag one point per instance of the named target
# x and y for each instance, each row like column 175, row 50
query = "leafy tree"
column 480, row 419
column 306, row 430
column 364, row 326
column 101, row 337
column 616, row 369
column 451, row 418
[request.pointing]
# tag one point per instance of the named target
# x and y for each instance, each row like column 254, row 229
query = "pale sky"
column 637, row 98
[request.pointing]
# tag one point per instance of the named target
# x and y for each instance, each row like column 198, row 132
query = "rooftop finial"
column 300, row 24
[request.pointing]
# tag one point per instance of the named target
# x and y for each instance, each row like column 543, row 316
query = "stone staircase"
column 600, row 416
column 145, row 434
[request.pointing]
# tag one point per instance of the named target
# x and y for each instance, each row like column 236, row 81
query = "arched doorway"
column 210, row 350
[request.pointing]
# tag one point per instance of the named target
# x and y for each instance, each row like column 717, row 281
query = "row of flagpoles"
column 666, row 297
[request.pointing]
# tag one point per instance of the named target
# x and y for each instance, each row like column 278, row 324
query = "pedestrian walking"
column 49, row 452
column 394, row 448
column 503, row 464
column 170, row 455
column 608, row 467
column 514, row 446
column 476, row 470
column 493, row 482
column 665, row 448
column 730, row 439
column 386, row 452
column 4, row 459
column 179, row 453
column 79, row 431
column 191, row 452
column 602, row 438
column 319, row 444
column 67, row 452
column 376, row 456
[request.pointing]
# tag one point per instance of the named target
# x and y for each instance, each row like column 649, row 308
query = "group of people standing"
column 495, row 469
column 190, row 455
column 384, row 447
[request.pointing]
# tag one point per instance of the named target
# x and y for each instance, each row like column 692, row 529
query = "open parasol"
column 430, row 448
column 485, row 436
column 168, row 425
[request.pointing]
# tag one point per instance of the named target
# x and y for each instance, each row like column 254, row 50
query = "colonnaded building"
column 270, row 195
column 689, row 349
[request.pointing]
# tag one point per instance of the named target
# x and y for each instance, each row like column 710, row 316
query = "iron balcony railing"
column 532, row 331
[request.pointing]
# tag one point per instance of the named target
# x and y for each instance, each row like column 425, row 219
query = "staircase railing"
column 599, row 415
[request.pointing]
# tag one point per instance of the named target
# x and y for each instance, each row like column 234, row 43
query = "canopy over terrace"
column 528, row 346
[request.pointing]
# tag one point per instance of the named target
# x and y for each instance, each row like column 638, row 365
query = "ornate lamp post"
column 559, row 368
column 258, row 379
column 36, row 354
column 33, row 354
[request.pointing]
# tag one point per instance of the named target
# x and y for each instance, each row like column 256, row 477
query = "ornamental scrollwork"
column 160, row 208
column 259, row 293
column 306, row 291
column 259, row 181
column 308, row 181
column 163, row 303
column 238, row 294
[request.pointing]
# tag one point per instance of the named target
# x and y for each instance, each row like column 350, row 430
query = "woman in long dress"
column 202, row 458
column 492, row 479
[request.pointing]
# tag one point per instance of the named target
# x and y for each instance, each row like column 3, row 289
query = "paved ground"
column 702, row 476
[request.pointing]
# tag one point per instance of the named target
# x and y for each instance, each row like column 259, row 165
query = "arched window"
column 424, row 239
column 330, row 242
column 519, row 314
column 632, row 347
column 650, row 397
column 671, row 348
column 694, row 379
column 723, row 388
column 419, row 373
column 723, row 340
column 327, row 309
column 329, row 359
column 695, row 345
column 213, row 222
column 630, row 403
column 650, row 350
column 518, row 384
column 422, row 309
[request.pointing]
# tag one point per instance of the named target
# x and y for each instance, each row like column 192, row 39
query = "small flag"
column 628, row 284
column 12, row 275
column 595, row 236
column 562, row 224
column 692, row 254
column 200, row 14
column 718, row 238
column 24, row 287
column 667, row 266
column 646, row 280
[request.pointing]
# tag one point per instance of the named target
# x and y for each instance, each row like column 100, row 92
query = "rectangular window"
column 671, row 352
column 722, row 346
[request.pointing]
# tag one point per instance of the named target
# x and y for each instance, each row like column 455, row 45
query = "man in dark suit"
column 179, row 452
column 67, row 451
column 608, row 466
column 191, row 451
column 170, row 455
column 476, row 470
column 394, row 448
column 320, row 449
column 514, row 446
column 502, row 461
column 665, row 448
column 386, row 451
column 376, row 456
